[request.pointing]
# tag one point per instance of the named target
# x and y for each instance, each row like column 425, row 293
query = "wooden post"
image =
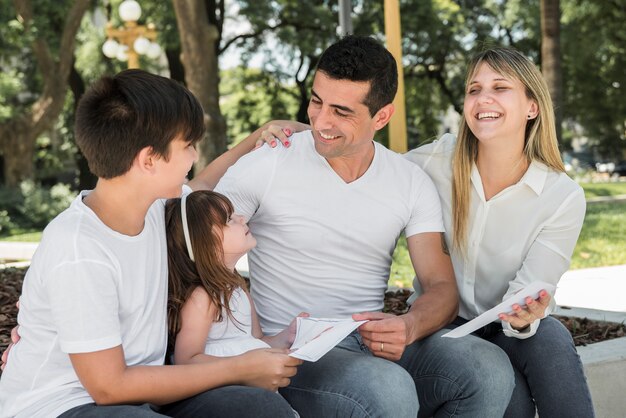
column 397, row 125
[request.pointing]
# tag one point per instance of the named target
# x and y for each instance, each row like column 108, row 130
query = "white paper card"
column 491, row 315
column 317, row 336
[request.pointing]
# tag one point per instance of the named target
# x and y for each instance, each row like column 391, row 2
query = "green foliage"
column 10, row 87
column 251, row 97
column 41, row 204
column 402, row 272
column 32, row 206
column 604, row 189
column 594, row 55
column 6, row 224
column 22, row 235
column 602, row 241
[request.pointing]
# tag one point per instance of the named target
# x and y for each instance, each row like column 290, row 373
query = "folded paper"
column 491, row 315
column 317, row 336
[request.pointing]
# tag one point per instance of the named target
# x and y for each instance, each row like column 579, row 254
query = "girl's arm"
column 270, row 132
column 197, row 316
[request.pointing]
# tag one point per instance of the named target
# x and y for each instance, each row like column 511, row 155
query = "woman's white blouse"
column 525, row 233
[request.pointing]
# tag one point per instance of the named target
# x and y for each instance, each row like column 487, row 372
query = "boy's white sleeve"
column 84, row 301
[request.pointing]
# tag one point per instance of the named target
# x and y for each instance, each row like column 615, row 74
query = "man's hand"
column 523, row 316
column 385, row 334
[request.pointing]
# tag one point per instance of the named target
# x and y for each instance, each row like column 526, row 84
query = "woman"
column 513, row 217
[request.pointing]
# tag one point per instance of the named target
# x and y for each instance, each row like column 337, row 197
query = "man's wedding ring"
column 382, row 346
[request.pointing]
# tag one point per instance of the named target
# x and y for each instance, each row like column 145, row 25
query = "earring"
column 529, row 116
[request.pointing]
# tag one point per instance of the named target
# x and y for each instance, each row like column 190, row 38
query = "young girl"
column 209, row 311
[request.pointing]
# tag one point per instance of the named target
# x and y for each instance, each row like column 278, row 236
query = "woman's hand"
column 279, row 130
column 523, row 316
column 15, row 337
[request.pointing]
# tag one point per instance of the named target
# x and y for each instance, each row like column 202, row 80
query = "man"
column 327, row 214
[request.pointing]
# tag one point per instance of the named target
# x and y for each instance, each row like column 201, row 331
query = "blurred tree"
column 200, row 27
column 551, row 56
column 48, row 32
column 291, row 35
column 594, row 58
column 251, row 97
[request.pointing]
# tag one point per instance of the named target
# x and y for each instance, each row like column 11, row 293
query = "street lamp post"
column 128, row 42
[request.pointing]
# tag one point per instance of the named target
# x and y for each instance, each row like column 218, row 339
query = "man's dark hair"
column 118, row 116
column 360, row 58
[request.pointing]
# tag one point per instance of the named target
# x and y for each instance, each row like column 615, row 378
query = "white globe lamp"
column 130, row 11
column 141, row 45
column 154, row 51
column 110, row 48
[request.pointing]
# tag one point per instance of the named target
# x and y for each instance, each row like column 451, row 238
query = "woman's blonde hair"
column 541, row 143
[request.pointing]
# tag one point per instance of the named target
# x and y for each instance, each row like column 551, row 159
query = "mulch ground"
column 584, row 331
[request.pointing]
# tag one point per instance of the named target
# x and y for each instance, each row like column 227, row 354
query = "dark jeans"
column 226, row 402
column 549, row 376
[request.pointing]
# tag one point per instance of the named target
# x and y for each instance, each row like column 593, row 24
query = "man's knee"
column 366, row 387
column 465, row 366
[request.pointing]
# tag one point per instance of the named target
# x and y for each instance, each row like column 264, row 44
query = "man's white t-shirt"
column 89, row 288
column 325, row 246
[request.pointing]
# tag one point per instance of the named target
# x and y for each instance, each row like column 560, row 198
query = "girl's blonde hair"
column 541, row 143
column 207, row 214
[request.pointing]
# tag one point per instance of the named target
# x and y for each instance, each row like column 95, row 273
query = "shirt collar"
column 535, row 176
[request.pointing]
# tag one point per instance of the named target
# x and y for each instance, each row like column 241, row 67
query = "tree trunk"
column 18, row 151
column 551, row 56
column 198, row 40
column 18, row 135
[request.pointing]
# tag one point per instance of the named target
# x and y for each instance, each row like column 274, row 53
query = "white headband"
column 183, row 215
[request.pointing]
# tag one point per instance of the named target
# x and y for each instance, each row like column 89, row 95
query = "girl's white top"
column 233, row 335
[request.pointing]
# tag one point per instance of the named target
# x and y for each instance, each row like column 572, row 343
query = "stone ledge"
column 604, row 364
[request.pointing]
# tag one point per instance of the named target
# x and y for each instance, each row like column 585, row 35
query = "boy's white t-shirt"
column 88, row 289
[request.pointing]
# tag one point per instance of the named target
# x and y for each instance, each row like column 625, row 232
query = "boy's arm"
column 269, row 132
column 108, row 379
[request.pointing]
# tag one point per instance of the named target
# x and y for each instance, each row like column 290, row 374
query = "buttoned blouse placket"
column 479, row 218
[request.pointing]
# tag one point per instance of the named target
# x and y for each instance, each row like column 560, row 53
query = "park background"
column 249, row 61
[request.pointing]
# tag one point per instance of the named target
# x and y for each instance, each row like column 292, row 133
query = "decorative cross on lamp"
column 131, row 40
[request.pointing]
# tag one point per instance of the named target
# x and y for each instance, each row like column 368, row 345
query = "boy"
column 92, row 317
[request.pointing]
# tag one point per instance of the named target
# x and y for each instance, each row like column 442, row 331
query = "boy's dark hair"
column 118, row 116
column 360, row 58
